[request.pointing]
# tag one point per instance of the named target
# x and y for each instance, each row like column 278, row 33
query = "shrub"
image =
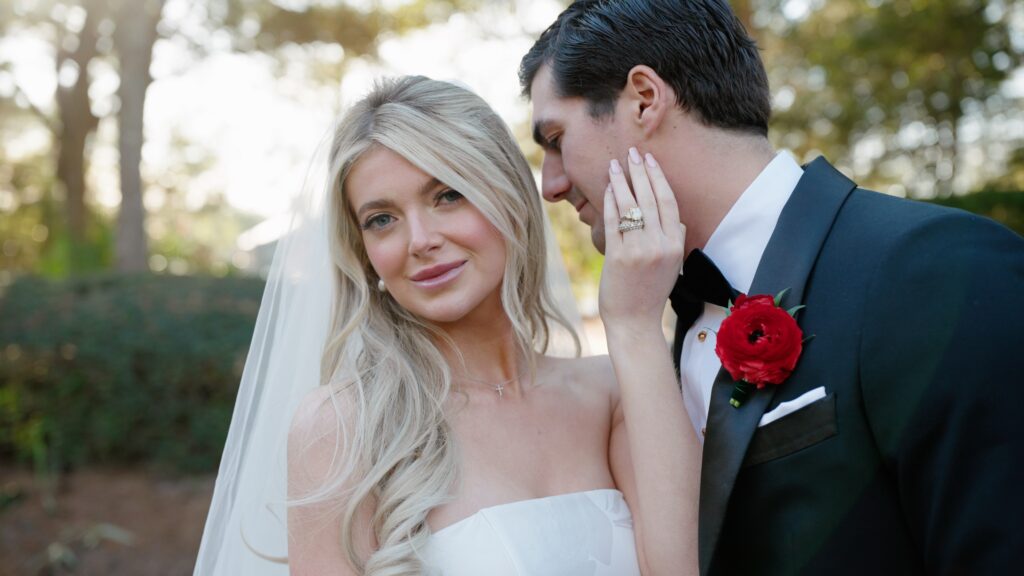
column 122, row 368
column 1004, row 207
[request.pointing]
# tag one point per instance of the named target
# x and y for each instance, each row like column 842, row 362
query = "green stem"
column 740, row 391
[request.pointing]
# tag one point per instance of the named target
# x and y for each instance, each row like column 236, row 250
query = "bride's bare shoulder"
column 591, row 373
column 320, row 411
column 316, row 434
column 316, row 481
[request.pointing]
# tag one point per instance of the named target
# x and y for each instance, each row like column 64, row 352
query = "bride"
column 398, row 413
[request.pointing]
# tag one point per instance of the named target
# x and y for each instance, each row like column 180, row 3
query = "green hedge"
column 122, row 368
column 1004, row 207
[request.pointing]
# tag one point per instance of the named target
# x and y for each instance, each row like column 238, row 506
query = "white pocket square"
column 791, row 406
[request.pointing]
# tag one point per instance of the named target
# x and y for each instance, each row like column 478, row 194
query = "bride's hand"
column 641, row 266
column 653, row 446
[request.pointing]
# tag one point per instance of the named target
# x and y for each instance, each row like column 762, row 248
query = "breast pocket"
column 805, row 427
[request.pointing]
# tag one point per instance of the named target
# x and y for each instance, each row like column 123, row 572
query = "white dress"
column 579, row 534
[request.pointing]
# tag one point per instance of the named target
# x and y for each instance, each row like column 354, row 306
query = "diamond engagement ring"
column 633, row 219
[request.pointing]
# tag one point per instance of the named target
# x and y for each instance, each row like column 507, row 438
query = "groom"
column 893, row 448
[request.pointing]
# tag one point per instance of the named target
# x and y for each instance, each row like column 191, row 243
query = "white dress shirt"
column 735, row 247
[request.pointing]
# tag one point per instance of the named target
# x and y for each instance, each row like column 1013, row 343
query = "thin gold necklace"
column 499, row 387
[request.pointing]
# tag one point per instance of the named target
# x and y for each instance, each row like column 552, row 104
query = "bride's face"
column 438, row 256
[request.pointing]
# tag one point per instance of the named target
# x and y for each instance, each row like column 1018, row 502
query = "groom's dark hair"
column 699, row 47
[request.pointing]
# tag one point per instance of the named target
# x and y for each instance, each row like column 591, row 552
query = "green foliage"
column 38, row 243
column 122, row 368
column 1013, row 176
column 266, row 26
column 1001, row 206
column 894, row 78
column 35, row 217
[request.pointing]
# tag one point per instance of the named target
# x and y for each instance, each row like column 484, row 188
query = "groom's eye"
column 554, row 142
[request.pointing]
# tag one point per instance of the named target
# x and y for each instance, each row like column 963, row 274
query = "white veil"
column 246, row 527
column 283, row 365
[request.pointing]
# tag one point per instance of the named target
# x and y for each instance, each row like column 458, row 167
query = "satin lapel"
column 786, row 263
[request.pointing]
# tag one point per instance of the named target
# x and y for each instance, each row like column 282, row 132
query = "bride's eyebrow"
column 427, row 188
column 373, row 205
column 430, row 186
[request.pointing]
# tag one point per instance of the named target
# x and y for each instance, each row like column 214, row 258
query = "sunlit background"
column 149, row 150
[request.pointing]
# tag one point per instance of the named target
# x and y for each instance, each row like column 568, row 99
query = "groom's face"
column 577, row 150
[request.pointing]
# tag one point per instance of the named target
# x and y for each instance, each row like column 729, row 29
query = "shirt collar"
column 738, row 242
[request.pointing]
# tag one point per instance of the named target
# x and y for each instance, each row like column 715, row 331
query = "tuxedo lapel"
column 787, row 262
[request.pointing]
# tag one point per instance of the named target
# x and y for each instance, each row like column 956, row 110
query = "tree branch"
column 43, row 116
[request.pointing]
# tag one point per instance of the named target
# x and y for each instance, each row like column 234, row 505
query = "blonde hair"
column 399, row 452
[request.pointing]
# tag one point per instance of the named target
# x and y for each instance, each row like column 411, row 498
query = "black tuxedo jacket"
column 913, row 462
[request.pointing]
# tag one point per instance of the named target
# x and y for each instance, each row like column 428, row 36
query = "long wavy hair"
column 386, row 363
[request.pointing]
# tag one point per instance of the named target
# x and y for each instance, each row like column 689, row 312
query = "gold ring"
column 630, row 225
column 633, row 215
column 633, row 219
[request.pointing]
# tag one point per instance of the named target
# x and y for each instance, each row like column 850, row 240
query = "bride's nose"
column 424, row 234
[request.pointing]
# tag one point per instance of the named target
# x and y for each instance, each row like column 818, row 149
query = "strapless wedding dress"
column 579, row 534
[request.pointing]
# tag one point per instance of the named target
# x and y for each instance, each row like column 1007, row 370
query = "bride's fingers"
column 620, row 189
column 668, row 208
column 642, row 189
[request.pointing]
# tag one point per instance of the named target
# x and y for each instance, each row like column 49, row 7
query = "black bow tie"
column 700, row 282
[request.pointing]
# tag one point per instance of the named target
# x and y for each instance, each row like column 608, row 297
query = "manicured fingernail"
column 616, row 167
column 634, row 156
column 650, row 160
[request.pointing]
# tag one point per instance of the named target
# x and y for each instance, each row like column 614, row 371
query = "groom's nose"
column 554, row 182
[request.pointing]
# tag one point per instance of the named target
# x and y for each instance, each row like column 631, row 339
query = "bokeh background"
column 149, row 150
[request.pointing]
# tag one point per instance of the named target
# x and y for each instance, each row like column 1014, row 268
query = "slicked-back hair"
column 699, row 47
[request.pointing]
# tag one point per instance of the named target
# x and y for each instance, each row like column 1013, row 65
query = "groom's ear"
column 649, row 98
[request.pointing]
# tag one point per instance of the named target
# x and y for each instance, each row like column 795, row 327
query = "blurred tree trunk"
column 252, row 25
column 134, row 37
column 77, row 122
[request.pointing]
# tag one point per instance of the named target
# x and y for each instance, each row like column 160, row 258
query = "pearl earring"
column 381, row 286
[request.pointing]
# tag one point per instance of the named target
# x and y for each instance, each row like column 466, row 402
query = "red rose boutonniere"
column 759, row 343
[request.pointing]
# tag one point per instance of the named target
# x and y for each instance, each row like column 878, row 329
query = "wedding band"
column 633, row 219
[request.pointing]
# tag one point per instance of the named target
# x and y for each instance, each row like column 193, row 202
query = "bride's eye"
column 449, row 196
column 377, row 222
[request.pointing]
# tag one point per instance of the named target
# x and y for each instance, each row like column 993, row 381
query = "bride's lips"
column 437, row 275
